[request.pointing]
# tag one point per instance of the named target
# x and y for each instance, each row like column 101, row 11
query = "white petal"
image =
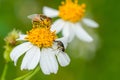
column 72, row 34
column 43, row 65
column 31, row 58
column 57, row 25
column 22, row 37
column 48, row 62
column 90, row 23
column 82, row 34
column 50, row 12
column 19, row 50
column 63, row 59
column 68, row 31
column 52, row 61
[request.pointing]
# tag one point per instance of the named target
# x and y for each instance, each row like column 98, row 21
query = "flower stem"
column 28, row 75
column 32, row 74
column 22, row 77
column 4, row 72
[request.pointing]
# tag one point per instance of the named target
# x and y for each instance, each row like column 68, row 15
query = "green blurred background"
column 105, row 65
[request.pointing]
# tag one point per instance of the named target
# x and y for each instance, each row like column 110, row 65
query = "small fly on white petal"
column 60, row 45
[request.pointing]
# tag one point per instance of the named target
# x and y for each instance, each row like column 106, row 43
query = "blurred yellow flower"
column 71, row 16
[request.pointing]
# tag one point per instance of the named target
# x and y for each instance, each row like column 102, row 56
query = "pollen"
column 71, row 11
column 41, row 37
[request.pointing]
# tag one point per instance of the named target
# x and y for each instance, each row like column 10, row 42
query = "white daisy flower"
column 41, row 47
column 71, row 16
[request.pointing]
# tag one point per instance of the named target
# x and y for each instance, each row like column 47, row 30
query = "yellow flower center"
column 41, row 37
column 71, row 11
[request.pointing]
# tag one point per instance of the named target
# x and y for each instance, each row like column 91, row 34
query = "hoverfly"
column 40, row 20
